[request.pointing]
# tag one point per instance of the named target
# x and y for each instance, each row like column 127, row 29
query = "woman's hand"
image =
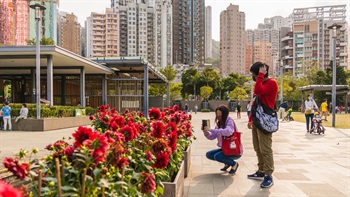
column 205, row 129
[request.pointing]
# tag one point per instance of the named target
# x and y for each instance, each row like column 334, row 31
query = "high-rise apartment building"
column 14, row 15
column 188, row 31
column 69, row 32
column 248, row 56
column 208, row 37
column 262, row 53
column 102, row 38
column 48, row 20
column 286, row 55
column 313, row 43
column 276, row 22
column 162, row 33
column 232, row 47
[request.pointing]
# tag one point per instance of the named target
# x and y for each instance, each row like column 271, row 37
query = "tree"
column 189, row 79
column 238, row 94
column 175, row 91
column 161, row 89
column 43, row 41
column 169, row 72
column 206, row 92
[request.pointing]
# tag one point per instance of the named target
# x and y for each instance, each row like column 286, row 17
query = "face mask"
column 310, row 98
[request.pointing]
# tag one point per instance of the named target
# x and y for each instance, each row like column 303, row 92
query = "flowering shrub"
column 122, row 154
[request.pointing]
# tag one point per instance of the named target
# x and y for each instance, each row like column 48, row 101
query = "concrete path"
column 305, row 165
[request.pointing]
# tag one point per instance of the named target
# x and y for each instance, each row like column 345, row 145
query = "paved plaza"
column 305, row 165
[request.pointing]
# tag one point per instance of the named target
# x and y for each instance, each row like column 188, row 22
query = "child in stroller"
column 288, row 117
column 318, row 126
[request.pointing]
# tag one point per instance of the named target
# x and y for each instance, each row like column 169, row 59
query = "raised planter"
column 187, row 160
column 175, row 188
column 47, row 124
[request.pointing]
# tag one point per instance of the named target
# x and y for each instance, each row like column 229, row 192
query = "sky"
column 255, row 10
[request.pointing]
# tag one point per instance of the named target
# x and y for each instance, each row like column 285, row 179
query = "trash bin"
column 232, row 105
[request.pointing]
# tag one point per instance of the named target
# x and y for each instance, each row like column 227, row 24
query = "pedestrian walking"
column 249, row 108
column 310, row 107
column 324, row 110
column 266, row 88
column 239, row 109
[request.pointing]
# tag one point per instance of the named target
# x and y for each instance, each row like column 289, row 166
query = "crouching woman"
column 224, row 127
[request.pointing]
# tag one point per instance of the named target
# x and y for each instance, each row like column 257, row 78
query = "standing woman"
column 224, row 127
column 310, row 107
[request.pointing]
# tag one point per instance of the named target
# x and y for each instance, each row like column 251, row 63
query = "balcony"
column 343, row 64
column 286, row 38
column 300, row 55
column 300, row 45
column 343, row 44
column 299, row 65
column 288, row 57
column 342, row 54
column 300, row 35
column 287, row 66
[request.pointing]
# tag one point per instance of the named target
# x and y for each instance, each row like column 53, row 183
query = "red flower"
column 121, row 162
column 157, row 129
column 128, row 132
column 19, row 170
column 82, row 134
column 154, row 113
column 148, row 185
column 172, row 142
column 91, row 118
column 105, row 117
column 175, row 108
column 170, row 127
column 68, row 151
column 103, row 108
column 159, row 146
column 189, row 133
column 162, row 161
column 149, row 155
column 126, row 111
column 7, row 190
column 99, row 145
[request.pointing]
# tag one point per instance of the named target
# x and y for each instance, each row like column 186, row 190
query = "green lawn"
column 342, row 121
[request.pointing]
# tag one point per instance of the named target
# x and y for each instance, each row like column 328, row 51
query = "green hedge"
column 47, row 111
column 205, row 110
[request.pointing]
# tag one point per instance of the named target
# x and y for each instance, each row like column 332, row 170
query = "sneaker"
column 267, row 182
column 257, row 175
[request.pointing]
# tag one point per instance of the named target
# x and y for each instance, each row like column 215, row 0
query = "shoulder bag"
column 264, row 118
column 231, row 145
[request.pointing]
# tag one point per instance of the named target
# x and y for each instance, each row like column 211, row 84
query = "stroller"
column 318, row 127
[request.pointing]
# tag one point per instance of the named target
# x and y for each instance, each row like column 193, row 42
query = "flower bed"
column 124, row 155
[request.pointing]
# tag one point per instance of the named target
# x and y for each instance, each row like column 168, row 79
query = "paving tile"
column 318, row 190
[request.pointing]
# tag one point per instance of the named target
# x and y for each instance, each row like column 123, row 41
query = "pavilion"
column 70, row 79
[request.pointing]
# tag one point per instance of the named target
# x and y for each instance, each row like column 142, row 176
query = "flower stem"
column 83, row 183
column 58, row 176
column 40, row 178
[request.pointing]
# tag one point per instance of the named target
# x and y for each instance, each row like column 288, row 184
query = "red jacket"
column 266, row 90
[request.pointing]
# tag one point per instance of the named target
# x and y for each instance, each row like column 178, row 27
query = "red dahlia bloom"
column 7, row 190
column 91, row 118
column 82, row 134
column 148, row 185
column 157, row 129
column 121, row 162
column 159, row 146
column 128, row 132
column 105, row 117
column 99, row 145
column 154, row 113
column 175, row 108
column 149, row 155
column 162, row 161
column 171, row 127
column 173, row 140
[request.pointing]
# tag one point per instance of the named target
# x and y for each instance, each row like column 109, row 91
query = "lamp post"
column 38, row 8
column 281, row 67
column 335, row 27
